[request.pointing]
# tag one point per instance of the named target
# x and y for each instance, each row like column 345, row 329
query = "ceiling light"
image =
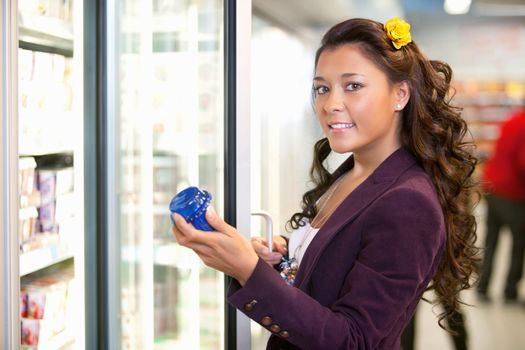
column 457, row 7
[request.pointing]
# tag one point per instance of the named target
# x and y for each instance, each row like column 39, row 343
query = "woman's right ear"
column 402, row 94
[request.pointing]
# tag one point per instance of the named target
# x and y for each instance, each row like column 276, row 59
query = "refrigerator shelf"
column 34, row 152
column 40, row 258
column 46, row 34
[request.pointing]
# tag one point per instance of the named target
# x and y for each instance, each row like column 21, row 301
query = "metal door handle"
column 269, row 227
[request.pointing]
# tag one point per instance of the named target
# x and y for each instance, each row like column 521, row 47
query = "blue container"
column 191, row 204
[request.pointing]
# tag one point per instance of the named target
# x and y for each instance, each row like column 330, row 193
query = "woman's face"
column 355, row 104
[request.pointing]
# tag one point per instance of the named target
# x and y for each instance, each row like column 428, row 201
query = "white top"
column 300, row 240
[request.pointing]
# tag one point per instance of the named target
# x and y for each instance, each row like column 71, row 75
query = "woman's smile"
column 340, row 127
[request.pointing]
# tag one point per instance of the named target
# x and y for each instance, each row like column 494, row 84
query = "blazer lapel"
column 376, row 184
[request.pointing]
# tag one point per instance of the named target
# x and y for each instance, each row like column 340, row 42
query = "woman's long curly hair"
column 434, row 132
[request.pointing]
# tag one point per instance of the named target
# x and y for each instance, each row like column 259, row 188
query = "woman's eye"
column 320, row 90
column 353, row 86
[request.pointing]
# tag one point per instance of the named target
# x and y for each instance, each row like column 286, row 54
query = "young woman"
column 391, row 221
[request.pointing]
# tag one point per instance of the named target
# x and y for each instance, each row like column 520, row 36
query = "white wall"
column 284, row 128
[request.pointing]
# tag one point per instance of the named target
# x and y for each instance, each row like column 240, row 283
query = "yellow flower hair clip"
column 398, row 31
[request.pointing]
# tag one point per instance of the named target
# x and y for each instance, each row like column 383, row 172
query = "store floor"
column 490, row 326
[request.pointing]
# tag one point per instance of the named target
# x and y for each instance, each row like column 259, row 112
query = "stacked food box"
column 44, row 307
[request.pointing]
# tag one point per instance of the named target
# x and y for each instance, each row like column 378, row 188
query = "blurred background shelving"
column 486, row 104
column 50, row 124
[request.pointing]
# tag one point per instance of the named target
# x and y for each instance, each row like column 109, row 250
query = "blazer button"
column 266, row 321
column 284, row 334
column 250, row 306
column 275, row 328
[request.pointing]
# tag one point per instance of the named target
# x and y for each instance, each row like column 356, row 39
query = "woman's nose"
column 334, row 103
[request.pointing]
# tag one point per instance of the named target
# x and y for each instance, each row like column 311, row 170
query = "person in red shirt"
column 504, row 184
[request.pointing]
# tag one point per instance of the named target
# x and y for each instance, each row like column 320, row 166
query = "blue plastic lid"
column 190, row 203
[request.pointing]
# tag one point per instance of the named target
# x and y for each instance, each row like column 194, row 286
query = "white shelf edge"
column 38, row 259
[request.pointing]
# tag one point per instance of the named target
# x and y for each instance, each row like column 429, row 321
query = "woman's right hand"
column 279, row 249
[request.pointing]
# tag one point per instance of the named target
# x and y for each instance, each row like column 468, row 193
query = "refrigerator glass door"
column 169, row 126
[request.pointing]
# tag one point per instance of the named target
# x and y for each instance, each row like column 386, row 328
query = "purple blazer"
column 364, row 272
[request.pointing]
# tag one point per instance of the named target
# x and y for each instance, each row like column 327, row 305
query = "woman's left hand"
column 225, row 250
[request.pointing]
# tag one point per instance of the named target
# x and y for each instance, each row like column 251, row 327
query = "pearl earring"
column 398, row 107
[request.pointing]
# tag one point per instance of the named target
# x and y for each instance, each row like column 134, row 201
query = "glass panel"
column 283, row 130
column 50, row 68
column 171, row 136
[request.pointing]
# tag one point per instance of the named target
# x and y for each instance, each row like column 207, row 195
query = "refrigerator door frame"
column 109, row 85
column 9, row 245
column 237, row 50
column 93, row 98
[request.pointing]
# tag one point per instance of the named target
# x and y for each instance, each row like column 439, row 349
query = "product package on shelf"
column 44, row 307
column 53, row 183
column 30, row 330
column 27, row 223
column 46, row 218
column 64, row 208
column 45, row 103
column 26, row 174
column 46, row 182
column 29, row 199
column 47, row 198
column 58, row 202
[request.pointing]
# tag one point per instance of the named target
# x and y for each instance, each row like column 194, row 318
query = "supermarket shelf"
column 43, row 257
column 34, row 152
column 45, row 34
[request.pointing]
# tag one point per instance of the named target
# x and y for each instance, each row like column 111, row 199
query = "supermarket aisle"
column 490, row 326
